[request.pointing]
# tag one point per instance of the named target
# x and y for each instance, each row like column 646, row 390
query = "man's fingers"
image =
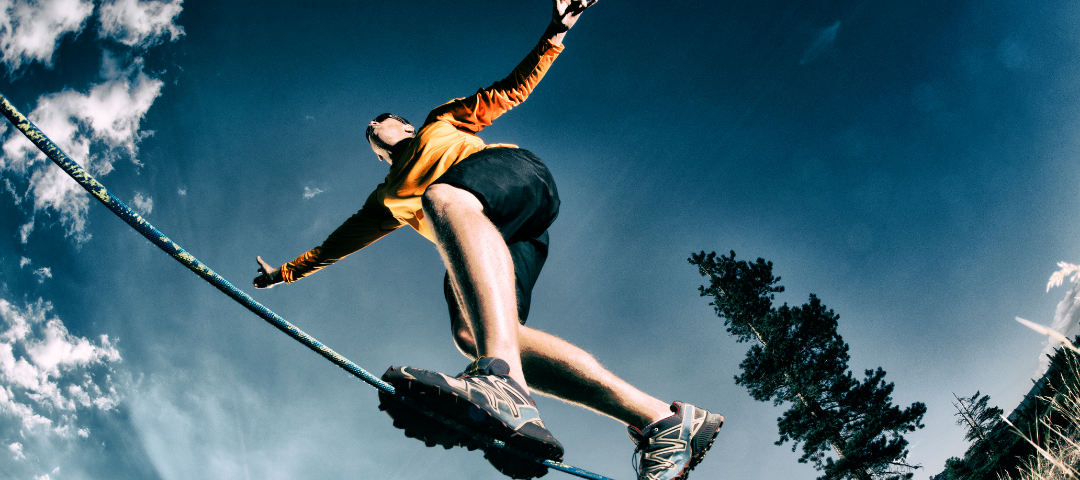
column 575, row 7
column 263, row 266
column 580, row 5
column 263, row 281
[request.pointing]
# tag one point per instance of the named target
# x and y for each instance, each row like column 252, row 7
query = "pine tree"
column 800, row 359
column 979, row 419
column 985, row 430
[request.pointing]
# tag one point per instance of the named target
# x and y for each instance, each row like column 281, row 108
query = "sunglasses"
column 382, row 118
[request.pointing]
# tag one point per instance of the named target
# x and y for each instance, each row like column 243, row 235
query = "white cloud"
column 311, row 192
column 106, row 118
column 140, row 23
column 8, row 186
column 47, row 374
column 182, row 191
column 16, row 448
column 43, row 273
column 23, row 261
column 1066, row 322
column 31, row 30
column 96, row 125
column 25, row 230
column 143, row 205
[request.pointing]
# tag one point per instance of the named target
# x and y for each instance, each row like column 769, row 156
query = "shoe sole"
column 462, row 412
column 421, row 427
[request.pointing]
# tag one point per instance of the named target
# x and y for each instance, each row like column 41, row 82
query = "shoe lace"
column 636, row 458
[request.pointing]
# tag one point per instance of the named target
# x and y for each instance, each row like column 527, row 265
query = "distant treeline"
column 998, row 449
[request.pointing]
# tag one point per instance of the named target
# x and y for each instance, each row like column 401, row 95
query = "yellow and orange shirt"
column 448, row 136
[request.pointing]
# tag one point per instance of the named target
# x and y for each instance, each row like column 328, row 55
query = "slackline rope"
column 155, row 236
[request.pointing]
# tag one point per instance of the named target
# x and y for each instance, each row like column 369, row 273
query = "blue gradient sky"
column 911, row 163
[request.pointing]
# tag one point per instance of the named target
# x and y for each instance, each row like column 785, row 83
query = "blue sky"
column 912, row 164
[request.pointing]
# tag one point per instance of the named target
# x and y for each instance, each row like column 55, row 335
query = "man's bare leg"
column 481, row 272
column 482, row 275
column 564, row 371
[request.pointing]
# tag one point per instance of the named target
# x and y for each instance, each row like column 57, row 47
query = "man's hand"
column 564, row 14
column 270, row 276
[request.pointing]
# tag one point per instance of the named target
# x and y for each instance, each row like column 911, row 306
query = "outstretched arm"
column 371, row 223
column 564, row 14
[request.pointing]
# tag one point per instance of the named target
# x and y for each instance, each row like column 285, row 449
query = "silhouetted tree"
column 979, row 419
column 985, row 431
column 800, row 359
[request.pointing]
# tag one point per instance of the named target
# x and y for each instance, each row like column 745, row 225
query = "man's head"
column 385, row 132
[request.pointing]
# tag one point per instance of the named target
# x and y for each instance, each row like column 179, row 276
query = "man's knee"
column 440, row 199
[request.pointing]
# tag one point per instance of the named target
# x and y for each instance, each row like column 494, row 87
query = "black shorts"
column 520, row 198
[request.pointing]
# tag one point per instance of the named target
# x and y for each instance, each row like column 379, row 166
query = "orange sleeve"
column 478, row 111
column 371, row 223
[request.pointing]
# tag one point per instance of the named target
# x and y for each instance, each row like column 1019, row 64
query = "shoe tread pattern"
column 417, row 384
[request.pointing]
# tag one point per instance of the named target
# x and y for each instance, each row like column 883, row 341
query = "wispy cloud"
column 23, row 261
column 27, row 228
column 43, row 273
column 213, row 426
column 31, row 30
column 824, row 40
column 311, row 192
column 140, row 23
column 8, row 186
column 1066, row 317
column 142, row 204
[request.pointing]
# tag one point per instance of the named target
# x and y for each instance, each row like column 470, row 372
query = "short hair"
column 371, row 130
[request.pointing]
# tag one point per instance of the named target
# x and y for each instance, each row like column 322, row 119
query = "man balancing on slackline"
column 488, row 208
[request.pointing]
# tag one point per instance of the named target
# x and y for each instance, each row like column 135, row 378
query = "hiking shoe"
column 672, row 446
column 483, row 398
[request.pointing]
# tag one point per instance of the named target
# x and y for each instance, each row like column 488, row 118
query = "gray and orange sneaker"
column 670, row 447
column 483, row 398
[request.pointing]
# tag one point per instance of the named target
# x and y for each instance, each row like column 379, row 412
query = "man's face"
column 389, row 132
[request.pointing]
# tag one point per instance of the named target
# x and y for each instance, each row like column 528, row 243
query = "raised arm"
column 475, row 112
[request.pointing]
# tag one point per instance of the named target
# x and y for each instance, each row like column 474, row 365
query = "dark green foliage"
column 800, row 359
column 956, row 469
column 979, row 419
column 988, row 435
column 997, row 450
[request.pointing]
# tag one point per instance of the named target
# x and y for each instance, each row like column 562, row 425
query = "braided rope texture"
column 136, row 221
